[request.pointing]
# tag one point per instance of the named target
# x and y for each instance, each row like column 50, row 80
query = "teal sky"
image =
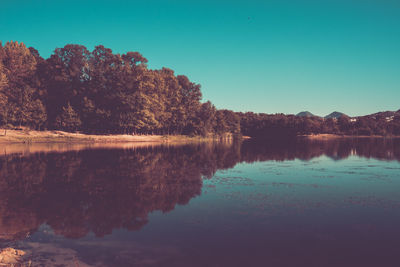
column 263, row 56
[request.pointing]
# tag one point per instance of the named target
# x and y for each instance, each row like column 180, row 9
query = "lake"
column 270, row 203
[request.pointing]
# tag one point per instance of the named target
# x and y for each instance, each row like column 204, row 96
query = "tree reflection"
column 306, row 149
column 99, row 190
column 102, row 189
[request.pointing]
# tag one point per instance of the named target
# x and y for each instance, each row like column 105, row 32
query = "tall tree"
column 191, row 96
column 68, row 76
column 100, row 99
column 23, row 99
column 4, row 107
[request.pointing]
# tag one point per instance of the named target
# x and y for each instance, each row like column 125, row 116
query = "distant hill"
column 335, row 115
column 383, row 114
column 305, row 114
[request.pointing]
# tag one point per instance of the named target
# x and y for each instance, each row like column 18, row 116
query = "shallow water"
column 291, row 203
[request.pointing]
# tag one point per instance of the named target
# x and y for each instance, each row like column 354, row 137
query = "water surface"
column 291, row 203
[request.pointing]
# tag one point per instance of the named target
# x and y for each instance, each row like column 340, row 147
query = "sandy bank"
column 25, row 136
column 30, row 136
column 27, row 142
column 337, row 136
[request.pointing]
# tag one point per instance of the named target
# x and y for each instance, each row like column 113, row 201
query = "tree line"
column 102, row 92
column 284, row 126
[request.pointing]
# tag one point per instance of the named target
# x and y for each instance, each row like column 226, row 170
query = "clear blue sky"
column 265, row 56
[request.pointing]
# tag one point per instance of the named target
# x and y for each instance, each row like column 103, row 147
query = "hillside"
column 335, row 115
column 384, row 114
column 305, row 114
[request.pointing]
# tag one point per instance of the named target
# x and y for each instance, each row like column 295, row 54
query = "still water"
column 291, row 203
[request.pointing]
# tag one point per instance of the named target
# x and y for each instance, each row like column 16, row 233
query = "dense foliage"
column 280, row 125
column 102, row 92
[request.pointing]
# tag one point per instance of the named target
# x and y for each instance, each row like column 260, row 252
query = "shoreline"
column 26, row 142
column 339, row 136
column 61, row 137
column 31, row 136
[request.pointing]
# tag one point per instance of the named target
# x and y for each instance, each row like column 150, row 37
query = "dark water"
column 292, row 203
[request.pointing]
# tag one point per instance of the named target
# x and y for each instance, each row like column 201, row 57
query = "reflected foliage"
column 103, row 189
column 306, row 149
column 99, row 190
